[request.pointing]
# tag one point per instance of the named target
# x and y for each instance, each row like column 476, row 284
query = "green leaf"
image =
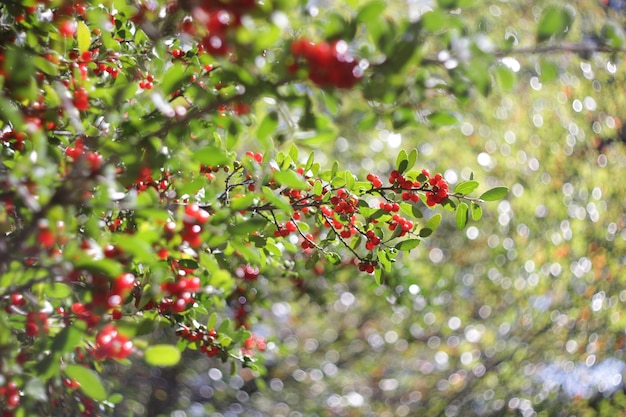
column 211, row 155
column 293, row 153
column 138, row 245
column 612, row 35
column 67, row 339
column 310, row 161
column 431, row 225
column 378, row 273
column 462, row 215
column 333, row 258
column 549, row 71
column 496, row 193
column 115, row 398
column 290, row 179
column 48, row 366
column 317, row 188
column 173, row 78
column 334, row 169
column 371, row 11
column 89, row 380
column 224, row 326
column 447, row 4
column 408, row 244
column 505, row 77
column 242, row 202
column 83, row 36
column 412, row 158
column 383, row 260
column 162, row 355
column 434, row 21
column 212, row 321
column 247, row 226
column 225, row 340
column 555, row 21
column 57, row 290
column 106, row 267
column 466, row 187
column 280, row 202
column 45, row 66
column 222, row 280
column 267, row 127
column 402, row 162
column 477, row 211
column 441, row 119
column 350, row 180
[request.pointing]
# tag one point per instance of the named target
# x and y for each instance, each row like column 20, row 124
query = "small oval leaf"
column 554, row 21
column 477, row 212
column 466, row 187
column 495, row 194
column 89, row 380
column 408, row 244
column 162, row 355
column 461, row 215
column 83, row 36
column 402, row 161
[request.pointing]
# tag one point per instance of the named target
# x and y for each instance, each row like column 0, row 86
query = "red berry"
column 67, row 28
column 18, row 300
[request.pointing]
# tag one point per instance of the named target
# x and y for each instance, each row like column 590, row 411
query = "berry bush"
column 159, row 157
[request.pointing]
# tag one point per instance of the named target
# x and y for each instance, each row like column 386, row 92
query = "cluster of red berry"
column 205, row 338
column 81, row 99
column 146, row 180
column 194, row 218
column 253, row 342
column 110, row 343
column 398, row 180
column 328, row 64
column 439, row 189
column 342, row 216
column 36, row 323
column 179, row 294
column 107, row 295
column 14, row 139
column 78, row 151
column 12, row 398
column 218, row 19
column 147, row 82
column 284, row 229
column 247, row 272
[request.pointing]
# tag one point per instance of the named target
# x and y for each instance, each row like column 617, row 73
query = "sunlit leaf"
column 477, row 211
column 83, row 37
column 290, row 179
column 407, row 245
column 494, row 194
column 466, row 187
column 212, row 156
column 333, row 258
column 462, row 215
column 89, row 380
column 505, row 77
column 371, row 11
column 67, row 339
column 555, row 21
column 431, row 225
column 440, row 119
column 162, row 355
column 402, row 161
